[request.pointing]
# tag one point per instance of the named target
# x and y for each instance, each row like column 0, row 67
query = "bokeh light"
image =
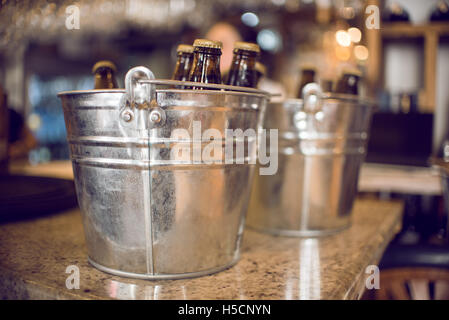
column 34, row 122
column 343, row 38
column 347, row 13
column 250, row 19
column 269, row 40
column 361, row 52
column 355, row 34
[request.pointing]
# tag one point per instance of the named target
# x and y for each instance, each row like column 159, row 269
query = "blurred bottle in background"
column 308, row 73
column 243, row 68
column 441, row 12
column 206, row 62
column 395, row 13
column 104, row 72
column 348, row 83
column 327, row 85
column 183, row 63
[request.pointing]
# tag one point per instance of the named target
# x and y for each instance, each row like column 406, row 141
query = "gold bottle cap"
column 185, row 48
column 249, row 46
column 104, row 64
column 261, row 68
column 351, row 71
column 205, row 43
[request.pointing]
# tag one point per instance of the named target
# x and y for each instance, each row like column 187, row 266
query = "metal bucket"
column 145, row 214
column 321, row 148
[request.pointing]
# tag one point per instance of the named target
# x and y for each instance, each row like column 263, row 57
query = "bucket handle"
column 141, row 94
column 136, row 92
column 312, row 98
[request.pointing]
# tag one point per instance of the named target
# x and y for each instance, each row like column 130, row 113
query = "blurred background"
column 405, row 64
column 404, row 60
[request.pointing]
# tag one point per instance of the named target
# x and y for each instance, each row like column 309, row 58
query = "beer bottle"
column 327, row 85
column 261, row 71
column 206, row 62
column 396, row 13
column 307, row 76
column 243, row 68
column 183, row 63
column 105, row 75
column 441, row 12
column 348, row 82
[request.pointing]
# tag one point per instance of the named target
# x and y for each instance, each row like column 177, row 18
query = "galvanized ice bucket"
column 322, row 144
column 147, row 211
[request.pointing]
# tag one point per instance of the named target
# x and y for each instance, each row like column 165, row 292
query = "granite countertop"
column 34, row 256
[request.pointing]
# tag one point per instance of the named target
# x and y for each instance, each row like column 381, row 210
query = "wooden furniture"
column 412, row 284
column 430, row 33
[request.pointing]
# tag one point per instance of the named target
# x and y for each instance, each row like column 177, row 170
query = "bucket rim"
column 351, row 98
column 214, row 92
column 76, row 92
column 208, row 92
column 335, row 96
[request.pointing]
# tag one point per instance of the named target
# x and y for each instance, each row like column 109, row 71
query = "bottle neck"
column 183, row 66
column 243, row 70
column 306, row 78
column 105, row 79
column 348, row 84
column 206, row 66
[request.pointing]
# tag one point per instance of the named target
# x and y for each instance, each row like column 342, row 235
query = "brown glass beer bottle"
column 348, row 82
column 206, row 62
column 243, row 68
column 307, row 76
column 183, row 63
column 104, row 72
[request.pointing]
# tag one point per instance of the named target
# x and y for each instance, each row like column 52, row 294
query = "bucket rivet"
column 155, row 116
column 127, row 116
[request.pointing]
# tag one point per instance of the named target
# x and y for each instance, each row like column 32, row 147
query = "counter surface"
column 35, row 255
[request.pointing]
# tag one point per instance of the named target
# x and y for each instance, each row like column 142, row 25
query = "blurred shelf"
column 404, row 29
column 429, row 32
column 55, row 169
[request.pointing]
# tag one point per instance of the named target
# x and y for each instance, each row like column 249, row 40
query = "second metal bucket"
column 320, row 150
column 147, row 214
